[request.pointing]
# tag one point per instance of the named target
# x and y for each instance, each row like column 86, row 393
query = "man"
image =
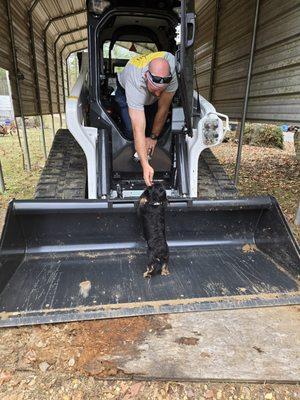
column 145, row 90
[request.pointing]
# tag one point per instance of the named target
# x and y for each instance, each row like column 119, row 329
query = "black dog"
column 151, row 210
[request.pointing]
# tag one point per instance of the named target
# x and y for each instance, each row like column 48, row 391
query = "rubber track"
column 213, row 182
column 64, row 175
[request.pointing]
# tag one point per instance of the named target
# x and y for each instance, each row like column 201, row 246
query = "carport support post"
column 297, row 220
column 76, row 42
column 63, row 79
column 16, row 73
column 60, row 18
column 43, row 139
column 2, row 185
column 62, row 72
column 48, row 81
column 20, row 143
column 53, row 126
column 61, row 63
column 77, row 51
column 36, row 78
column 213, row 58
column 15, row 119
column 57, row 84
column 49, row 23
column 67, row 72
column 246, row 98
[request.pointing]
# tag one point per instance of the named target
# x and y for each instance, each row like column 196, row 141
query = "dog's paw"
column 165, row 270
column 149, row 272
column 143, row 201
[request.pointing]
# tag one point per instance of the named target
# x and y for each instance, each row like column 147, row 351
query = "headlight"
column 178, row 34
column 177, row 10
column 98, row 6
column 210, row 131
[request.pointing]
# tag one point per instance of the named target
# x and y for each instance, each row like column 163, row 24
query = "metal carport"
column 37, row 36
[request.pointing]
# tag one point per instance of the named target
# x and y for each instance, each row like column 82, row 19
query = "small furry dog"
column 151, row 210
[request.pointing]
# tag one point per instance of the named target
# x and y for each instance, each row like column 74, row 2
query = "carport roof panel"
column 276, row 59
column 49, row 9
column 60, row 13
column 56, row 16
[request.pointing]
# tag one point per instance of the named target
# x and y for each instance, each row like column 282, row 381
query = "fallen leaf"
column 71, row 362
column 5, row 376
column 209, row 394
column 133, row 391
column 43, row 366
column 30, row 356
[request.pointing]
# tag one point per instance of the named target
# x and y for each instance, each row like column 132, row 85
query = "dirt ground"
column 65, row 361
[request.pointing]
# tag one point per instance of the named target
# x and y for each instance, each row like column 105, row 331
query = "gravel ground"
column 29, row 385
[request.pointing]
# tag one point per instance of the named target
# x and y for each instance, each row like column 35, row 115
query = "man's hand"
column 148, row 173
column 150, row 145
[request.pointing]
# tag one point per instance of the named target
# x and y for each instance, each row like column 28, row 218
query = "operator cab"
column 122, row 30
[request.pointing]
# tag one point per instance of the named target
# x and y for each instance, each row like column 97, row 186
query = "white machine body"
column 208, row 132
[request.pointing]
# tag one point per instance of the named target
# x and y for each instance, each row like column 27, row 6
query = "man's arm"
column 164, row 103
column 138, row 122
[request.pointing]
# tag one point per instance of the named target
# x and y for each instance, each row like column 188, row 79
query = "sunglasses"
column 160, row 79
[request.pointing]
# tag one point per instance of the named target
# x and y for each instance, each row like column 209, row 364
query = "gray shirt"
column 132, row 79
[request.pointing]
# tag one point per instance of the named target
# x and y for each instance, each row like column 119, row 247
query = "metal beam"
column 48, row 82
column 57, row 88
column 52, row 20
column 19, row 95
column 297, row 220
column 63, row 80
column 76, row 50
column 2, row 184
column 56, row 72
column 246, row 98
column 20, row 143
column 214, row 51
column 56, row 67
column 67, row 72
column 15, row 119
column 34, row 3
column 67, row 60
column 36, row 78
column 77, row 41
column 69, row 32
column 61, row 63
column 61, row 17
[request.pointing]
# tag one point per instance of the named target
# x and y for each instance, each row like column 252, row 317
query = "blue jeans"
column 150, row 112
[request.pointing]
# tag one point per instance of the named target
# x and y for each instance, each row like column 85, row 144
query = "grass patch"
column 20, row 184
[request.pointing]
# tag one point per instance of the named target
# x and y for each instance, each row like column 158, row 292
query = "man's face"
column 154, row 90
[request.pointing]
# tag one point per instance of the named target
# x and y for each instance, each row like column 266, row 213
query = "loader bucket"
column 79, row 260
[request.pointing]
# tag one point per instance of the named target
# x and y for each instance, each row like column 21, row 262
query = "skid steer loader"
column 77, row 251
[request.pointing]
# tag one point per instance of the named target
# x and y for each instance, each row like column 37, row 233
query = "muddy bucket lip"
column 81, row 313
